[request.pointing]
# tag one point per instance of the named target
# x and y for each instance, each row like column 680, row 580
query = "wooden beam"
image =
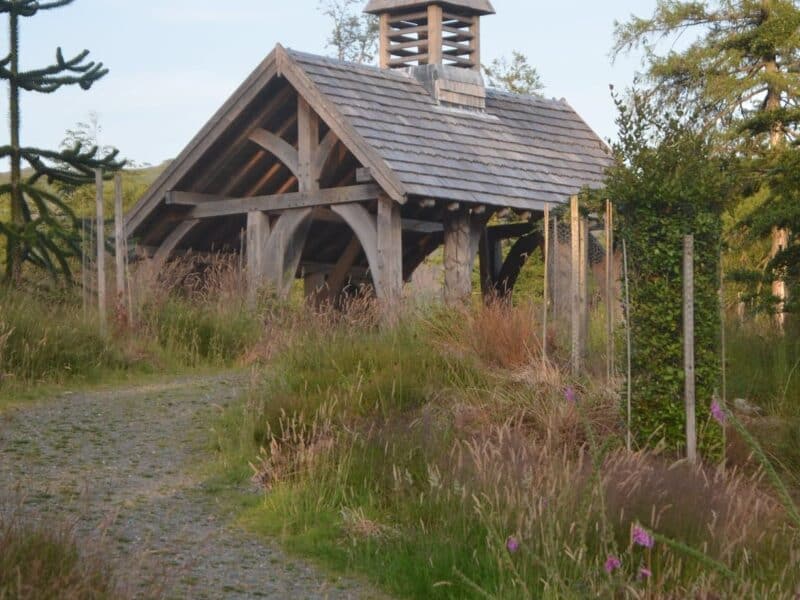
column 278, row 147
column 457, row 258
column 390, row 252
column 206, row 206
column 323, row 154
column 307, row 144
column 575, row 287
column 434, row 34
column 257, row 238
column 234, row 182
column 364, row 176
column 384, row 41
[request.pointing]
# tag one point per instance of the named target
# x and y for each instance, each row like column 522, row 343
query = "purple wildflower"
column 512, row 544
column 570, row 395
column 718, row 413
column 642, row 538
column 612, row 564
column 645, row 573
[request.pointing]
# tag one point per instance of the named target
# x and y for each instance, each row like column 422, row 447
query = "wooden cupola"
column 430, row 32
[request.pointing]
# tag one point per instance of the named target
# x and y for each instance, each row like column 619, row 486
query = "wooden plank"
column 403, row 61
column 206, row 206
column 475, row 43
column 575, row 317
column 119, row 240
column 101, row 250
column 688, row 348
column 278, row 147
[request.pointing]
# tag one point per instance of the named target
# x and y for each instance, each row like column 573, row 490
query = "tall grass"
column 444, row 459
column 190, row 314
column 45, row 561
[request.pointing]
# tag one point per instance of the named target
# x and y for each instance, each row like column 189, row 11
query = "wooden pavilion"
column 349, row 174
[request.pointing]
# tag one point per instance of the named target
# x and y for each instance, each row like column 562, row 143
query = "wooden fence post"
column 119, row 240
column 101, row 250
column 629, row 363
column 554, row 278
column 610, row 291
column 546, row 294
column 575, row 288
column 688, row 347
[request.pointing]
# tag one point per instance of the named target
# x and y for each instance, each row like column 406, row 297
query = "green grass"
column 410, row 455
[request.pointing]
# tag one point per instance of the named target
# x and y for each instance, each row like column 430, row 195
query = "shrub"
column 667, row 184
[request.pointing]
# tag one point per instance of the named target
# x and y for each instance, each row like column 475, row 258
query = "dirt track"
column 124, row 463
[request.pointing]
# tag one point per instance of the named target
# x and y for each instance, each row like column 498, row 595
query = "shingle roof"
column 524, row 150
column 481, row 7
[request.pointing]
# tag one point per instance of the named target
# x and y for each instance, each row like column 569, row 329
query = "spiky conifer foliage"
column 736, row 65
column 42, row 227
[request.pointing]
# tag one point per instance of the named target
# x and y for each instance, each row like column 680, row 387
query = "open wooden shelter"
column 345, row 174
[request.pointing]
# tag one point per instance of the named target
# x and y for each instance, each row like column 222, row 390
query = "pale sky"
column 175, row 62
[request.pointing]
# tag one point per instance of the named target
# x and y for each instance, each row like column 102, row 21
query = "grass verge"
column 444, row 459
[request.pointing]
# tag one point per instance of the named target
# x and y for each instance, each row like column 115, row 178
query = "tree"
column 740, row 74
column 42, row 228
column 668, row 182
column 516, row 76
column 355, row 35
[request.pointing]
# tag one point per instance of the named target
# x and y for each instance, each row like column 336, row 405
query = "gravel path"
column 124, row 463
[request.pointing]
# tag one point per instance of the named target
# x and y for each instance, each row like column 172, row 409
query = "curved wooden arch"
column 515, row 261
column 285, row 248
column 365, row 226
column 280, row 148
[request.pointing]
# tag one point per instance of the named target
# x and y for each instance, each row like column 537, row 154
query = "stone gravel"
column 122, row 464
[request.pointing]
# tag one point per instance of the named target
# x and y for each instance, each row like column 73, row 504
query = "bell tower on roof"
column 430, row 32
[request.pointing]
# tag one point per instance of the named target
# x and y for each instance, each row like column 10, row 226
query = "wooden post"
column 629, row 364
column 554, row 277
column 610, row 291
column 101, row 249
column 546, row 294
column 385, row 57
column 583, row 274
column 688, row 347
column 119, row 240
column 390, row 253
column 575, row 288
column 257, row 237
column 457, row 259
column 434, row 34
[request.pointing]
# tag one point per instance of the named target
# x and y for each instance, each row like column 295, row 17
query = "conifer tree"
column 740, row 73
column 42, row 227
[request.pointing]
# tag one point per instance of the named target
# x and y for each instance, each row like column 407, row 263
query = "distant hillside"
column 135, row 182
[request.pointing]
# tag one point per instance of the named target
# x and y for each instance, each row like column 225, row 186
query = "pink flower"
column 642, row 538
column 512, row 544
column 645, row 573
column 570, row 396
column 718, row 413
column 612, row 564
